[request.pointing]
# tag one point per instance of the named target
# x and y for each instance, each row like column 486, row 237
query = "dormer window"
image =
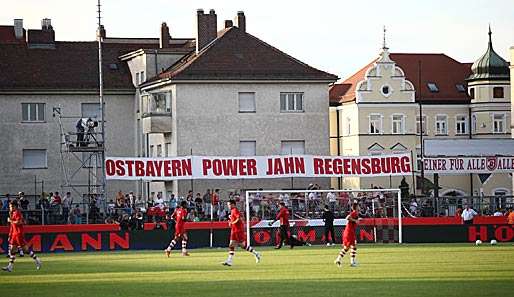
column 433, row 87
column 460, row 88
column 472, row 93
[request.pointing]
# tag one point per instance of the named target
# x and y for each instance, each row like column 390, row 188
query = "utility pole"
column 100, row 35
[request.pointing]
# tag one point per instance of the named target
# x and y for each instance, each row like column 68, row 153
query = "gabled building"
column 234, row 95
column 377, row 111
column 38, row 74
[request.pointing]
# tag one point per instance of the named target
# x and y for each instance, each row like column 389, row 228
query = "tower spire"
column 490, row 38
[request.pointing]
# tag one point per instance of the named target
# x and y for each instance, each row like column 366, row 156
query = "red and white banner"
column 201, row 167
column 461, row 165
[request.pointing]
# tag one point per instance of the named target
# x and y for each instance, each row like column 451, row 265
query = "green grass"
column 385, row 270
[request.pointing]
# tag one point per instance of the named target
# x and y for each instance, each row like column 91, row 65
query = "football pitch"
column 384, row 270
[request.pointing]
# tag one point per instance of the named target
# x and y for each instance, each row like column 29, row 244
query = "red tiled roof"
column 236, row 55
column 68, row 66
column 440, row 69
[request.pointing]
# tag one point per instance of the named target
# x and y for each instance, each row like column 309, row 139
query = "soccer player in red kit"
column 237, row 235
column 16, row 237
column 179, row 215
column 283, row 216
column 349, row 238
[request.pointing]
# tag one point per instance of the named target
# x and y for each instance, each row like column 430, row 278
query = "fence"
column 448, row 205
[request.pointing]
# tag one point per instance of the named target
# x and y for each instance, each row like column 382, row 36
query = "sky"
column 339, row 37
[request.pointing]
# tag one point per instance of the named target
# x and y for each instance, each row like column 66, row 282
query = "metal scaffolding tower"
column 83, row 144
column 82, row 154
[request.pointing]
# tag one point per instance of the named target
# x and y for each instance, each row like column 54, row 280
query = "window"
column 498, row 123
column 34, row 159
column 91, row 110
column 159, row 102
column 247, row 148
column 33, row 112
column 460, row 88
column 156, row 103
column 142, row 77
column 159, row 150
column 423, row 123
column 433, row 87
column 289, row 147
column 461, row 124
column 150, row 153
column 167, row 149
column 138, row 81
column 398, row 124
column 386, row 90
column 498, row 92
column 472, row 93
column 246, row 102
column 441, row 125
column 474, row 123
column 375, row 123
column 348, row 126
column 291, row 102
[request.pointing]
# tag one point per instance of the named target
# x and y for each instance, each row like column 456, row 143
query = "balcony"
column 157, row 122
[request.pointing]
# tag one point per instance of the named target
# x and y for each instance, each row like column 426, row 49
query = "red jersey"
column 180, row 215
column 234, row 215
column 16, row 229
column 215, row 198
column 283, row 216
column 350, row 226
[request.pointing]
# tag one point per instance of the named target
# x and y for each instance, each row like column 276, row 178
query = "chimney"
column 165, row 36
column 44, row 36
column 206, row 28
column 46, row 24
column 18, row 28
column 100, row 33
column 228, row 24
column 241, row 21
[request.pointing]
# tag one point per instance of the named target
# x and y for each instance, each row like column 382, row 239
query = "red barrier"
column 422, row 221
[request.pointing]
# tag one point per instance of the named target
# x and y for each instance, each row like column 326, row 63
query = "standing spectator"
column 413, row 207
column 332, row 199
column 328, row 218
column 207, row 202
column 159, row 201
column 24, row 203
column 510, row 217
column 173, row 202
column 56, row 200
column 6, row 202
column 216, row 201
column 66, row 206
column 284, row 197
column 198, row 203
column 77, row 215
column 131, row 200
column 468, row 214
column 140, row 202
